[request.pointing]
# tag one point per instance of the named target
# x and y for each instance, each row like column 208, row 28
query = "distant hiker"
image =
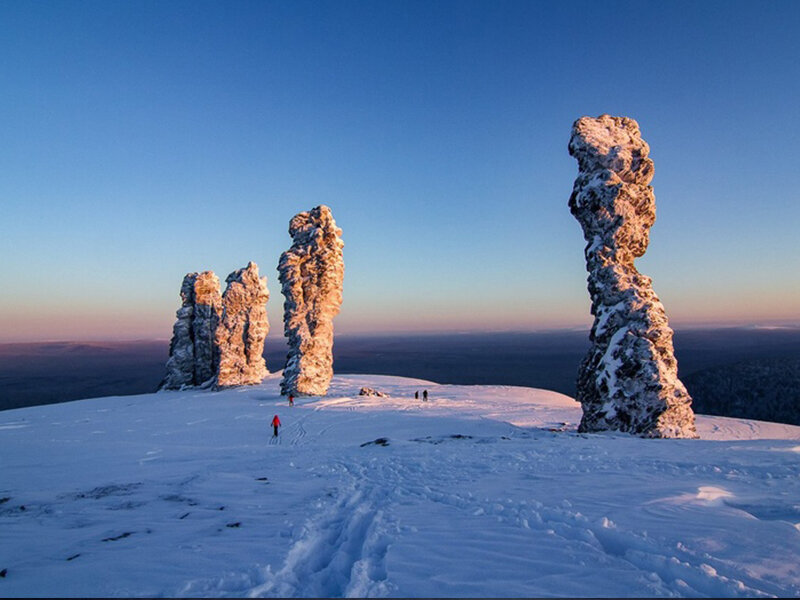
column 425, row 395
column 275, row 424
column 291, row 400
column 416, row 395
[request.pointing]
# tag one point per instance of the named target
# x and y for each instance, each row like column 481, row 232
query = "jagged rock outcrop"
column 242, row 328
column 311, row 273
column 629, row 379
column 219, row 339
column 193, row 354
column 368, row 391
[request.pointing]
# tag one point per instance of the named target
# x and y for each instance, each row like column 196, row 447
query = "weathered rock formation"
column 193, row 353
column 629, row 379
column 311, row 273
column 219, row 339
column 242, row 328
column 368, row 391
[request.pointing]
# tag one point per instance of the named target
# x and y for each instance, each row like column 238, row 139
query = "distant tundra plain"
column 742, row 372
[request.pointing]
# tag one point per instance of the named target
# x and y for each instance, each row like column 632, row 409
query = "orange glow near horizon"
column 64, row 323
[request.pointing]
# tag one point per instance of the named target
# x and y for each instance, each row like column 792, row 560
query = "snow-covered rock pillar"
column 629, row 379
column 242, row 328
column 311, row 273
column 193, row 355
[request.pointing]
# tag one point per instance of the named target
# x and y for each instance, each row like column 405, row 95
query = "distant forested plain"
column 738, row 372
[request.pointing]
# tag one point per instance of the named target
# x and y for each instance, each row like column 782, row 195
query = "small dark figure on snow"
column 416, row 395
column 425, row 395
column 291, row 400
column 275, row 424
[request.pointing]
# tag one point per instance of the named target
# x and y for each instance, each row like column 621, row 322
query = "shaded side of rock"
column 207, row 311
column 192, row 353
column 180, row 364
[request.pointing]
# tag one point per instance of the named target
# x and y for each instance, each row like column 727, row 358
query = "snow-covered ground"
column 482, row 491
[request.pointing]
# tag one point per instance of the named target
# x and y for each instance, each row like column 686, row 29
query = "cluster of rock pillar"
column 629, row 378
column 218, row 339
column 627, row 382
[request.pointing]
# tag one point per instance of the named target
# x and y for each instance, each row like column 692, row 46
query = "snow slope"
column 482, row 491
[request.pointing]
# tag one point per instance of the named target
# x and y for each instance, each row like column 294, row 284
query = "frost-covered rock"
column 311, row 273
column 368, row 391
column 207, row 311
column 629, row 379
column 242, row 328
column 193, row 355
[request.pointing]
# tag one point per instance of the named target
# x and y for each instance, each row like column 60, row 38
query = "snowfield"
column 483, row 491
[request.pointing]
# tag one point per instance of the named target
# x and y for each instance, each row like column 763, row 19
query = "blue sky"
column 144, row 140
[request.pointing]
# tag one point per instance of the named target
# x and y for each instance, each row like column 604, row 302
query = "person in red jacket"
column 291, row 400
column 275, row 424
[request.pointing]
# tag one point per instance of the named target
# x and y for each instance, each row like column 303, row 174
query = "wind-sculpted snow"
column 193, row 353
column 629, row 379
column 311, row 273
column 188, row 494
column 242, row 328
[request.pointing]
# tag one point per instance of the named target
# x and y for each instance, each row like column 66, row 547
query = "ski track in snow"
column 340, row 553
column 325, row 510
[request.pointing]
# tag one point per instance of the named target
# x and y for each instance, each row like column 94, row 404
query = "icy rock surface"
column 629, row 379
column 368, row 391
column 311, row 273
column 242, row 328
column 193, row 354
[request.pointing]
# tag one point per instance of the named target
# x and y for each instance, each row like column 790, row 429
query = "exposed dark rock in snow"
column 311, row 273
column 193, row 356
column 368, row 391
column 242, row 328
column 377, row 442
column 629, row 379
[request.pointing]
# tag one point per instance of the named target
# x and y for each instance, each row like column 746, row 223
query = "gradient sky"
column 143, row 140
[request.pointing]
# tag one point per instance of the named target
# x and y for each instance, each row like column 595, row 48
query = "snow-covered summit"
column 481, row 491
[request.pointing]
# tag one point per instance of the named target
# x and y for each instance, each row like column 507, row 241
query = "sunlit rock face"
column 629, row 379
column 242, row 328
column 311, row 273
column 368, row 391
column 193, row 356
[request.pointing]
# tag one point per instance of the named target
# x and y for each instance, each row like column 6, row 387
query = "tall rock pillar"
column 193, row 355
column 629, row 379
column 311, row 273
column 242, row 328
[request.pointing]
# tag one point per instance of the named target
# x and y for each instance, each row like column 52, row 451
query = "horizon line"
column 428, row 332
